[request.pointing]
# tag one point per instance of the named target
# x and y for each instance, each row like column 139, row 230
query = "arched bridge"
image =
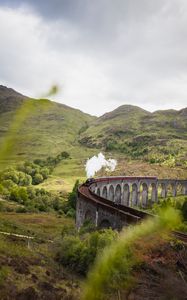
column 114, row 201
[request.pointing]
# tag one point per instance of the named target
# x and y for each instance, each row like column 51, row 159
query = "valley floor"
column 28, row 270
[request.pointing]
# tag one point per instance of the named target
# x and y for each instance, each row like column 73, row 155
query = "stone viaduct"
column 114, row 201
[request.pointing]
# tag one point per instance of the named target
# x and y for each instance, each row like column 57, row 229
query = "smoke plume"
column 95, row 163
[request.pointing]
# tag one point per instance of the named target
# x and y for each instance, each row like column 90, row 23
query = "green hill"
column 48, row 127
column 128, row 131
column 137, row 133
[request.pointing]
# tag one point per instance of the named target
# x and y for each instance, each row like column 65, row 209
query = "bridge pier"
column 185, row 189
column 164, row 190
column 145, row 196
column 174, row 190
column 154, row 193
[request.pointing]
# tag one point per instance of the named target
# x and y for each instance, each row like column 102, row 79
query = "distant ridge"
column 140, row 134
column 128, row 129
column 123, row 110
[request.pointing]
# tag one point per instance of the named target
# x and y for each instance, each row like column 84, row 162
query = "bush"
column 45, row 173
column 73, row 196
column 19, row 194
column 38, row 178
column 71, row 213
column 21, row 209
column 51, row 162
column 57, row 204
column 10, row 174
column 64, row 155
column 88, row 226
column 24, row 193
column 75, row 254
column 24, row 179
column 8, row 184
column 79, row 252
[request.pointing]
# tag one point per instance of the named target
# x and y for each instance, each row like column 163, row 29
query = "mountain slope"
column 139, row 133
column 48, row 128
column 10, row 100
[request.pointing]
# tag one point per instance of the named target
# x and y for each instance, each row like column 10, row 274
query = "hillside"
column 48, row 128
column 140, row 134
column 128, row 133
column 10, row 100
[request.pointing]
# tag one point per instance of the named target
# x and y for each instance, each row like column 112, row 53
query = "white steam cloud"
column 95, row 163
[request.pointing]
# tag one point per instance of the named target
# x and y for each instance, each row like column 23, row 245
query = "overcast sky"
column 102, row 53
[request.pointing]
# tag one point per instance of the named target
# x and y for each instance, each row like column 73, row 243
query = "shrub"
column 64, row 155
column 14, row 194
column 71, row 213
column 38, row 178
column 88, row 226
column 79, row 252
column 75, row 254
column 73, row 196
column 21, row 209
column 19, row 194
column 8, row 184
column 24, row 179
column 45, row 172
column 10, row 174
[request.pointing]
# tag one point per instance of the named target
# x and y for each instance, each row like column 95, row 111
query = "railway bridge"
column 114, row 201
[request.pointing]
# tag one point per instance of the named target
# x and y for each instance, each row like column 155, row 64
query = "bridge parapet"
column 137, row 191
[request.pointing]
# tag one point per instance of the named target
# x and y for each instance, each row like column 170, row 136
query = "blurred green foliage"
column 78, row 251
column 113, row 268
column 11, row 137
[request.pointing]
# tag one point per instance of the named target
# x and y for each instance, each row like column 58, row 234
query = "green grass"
column 41, row 225
column 68, row 171
column 33, row 265
column 10, row 248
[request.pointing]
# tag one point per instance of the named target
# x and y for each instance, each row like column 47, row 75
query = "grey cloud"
column 124, row 50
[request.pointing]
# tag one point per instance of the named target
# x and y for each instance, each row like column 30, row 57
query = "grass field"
column 41, row 225
column 29, row 270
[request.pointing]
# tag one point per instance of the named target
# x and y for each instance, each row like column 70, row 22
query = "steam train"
column 89, row 181
column 107, row 179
